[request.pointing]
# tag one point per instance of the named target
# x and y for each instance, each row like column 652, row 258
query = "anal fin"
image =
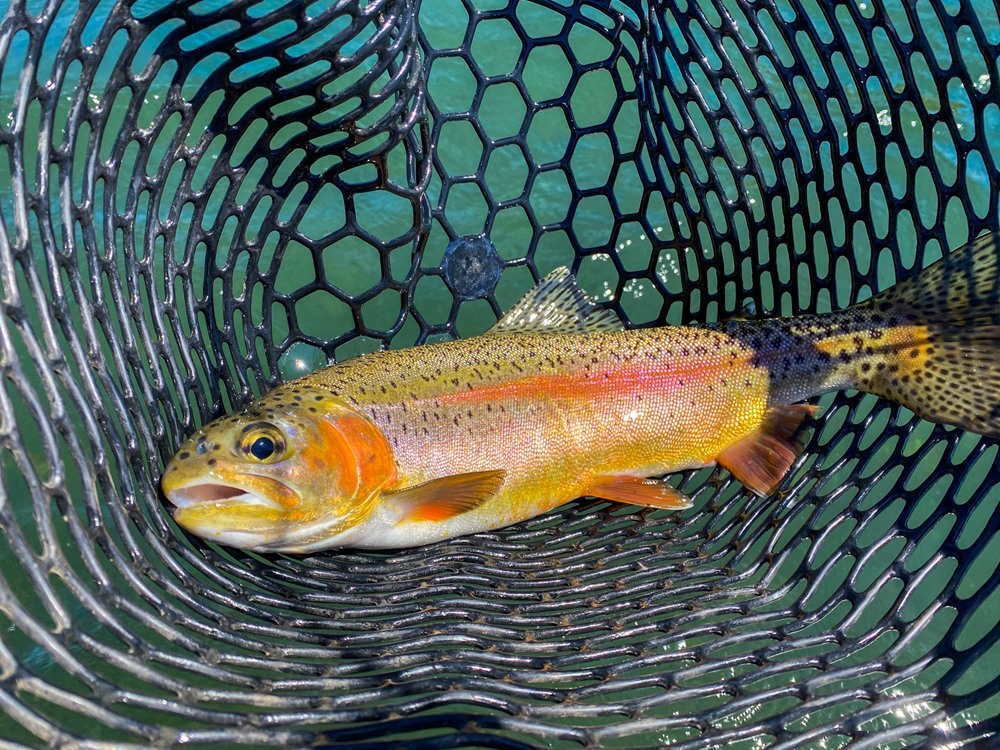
column 653, row 493
column 761, row 459
column 445, row 497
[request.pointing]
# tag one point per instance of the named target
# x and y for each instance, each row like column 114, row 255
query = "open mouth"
column 195, row 494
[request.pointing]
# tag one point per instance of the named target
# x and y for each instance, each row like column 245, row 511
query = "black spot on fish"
column 184, row 456
column 212, row 462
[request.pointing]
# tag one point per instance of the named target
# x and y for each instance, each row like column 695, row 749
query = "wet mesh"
column 208, row 197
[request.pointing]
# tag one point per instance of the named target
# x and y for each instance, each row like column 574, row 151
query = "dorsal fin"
column 557, row 305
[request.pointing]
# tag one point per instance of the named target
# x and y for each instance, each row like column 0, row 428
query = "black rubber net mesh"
column 202, row 199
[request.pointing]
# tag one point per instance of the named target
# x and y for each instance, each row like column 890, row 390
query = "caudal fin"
column 939, row 351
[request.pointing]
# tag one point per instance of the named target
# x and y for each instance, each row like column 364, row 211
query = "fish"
column 400, row 448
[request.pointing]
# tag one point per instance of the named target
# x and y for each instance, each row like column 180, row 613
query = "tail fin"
column 938, row 353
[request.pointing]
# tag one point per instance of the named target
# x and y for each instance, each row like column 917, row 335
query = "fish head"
column 293, row 472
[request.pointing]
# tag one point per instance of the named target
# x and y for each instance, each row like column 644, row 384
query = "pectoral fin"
column 638, row 491
column 761, row 460
column 445, row 497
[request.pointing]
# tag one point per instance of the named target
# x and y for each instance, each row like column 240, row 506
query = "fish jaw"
column 227, row 487
column 233, row 523
column 218, row 494
column 260, row 525
column 225, row 508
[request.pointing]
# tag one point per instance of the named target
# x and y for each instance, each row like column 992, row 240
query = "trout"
column 400, row 448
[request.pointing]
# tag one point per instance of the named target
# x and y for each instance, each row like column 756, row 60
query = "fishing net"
column 201, row 199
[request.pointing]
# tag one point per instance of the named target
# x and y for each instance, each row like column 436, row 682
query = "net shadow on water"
column 210, row 197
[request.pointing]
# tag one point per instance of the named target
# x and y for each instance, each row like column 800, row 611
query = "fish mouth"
column 217, row 493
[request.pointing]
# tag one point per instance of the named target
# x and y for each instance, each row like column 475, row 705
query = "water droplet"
column 300, row 359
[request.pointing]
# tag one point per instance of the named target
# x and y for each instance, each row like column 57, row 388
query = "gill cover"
column 362, row 457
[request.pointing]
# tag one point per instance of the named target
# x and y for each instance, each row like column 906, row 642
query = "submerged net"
column 209, row 197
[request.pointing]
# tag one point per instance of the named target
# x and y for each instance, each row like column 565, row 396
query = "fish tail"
column 932, row 342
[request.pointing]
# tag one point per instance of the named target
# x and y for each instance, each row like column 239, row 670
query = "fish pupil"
column 262, row 448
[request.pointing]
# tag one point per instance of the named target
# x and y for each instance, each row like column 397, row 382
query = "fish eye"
column 262, row 443
column 262, row 448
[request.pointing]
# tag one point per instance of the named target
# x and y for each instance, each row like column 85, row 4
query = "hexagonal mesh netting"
column 209, row 197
